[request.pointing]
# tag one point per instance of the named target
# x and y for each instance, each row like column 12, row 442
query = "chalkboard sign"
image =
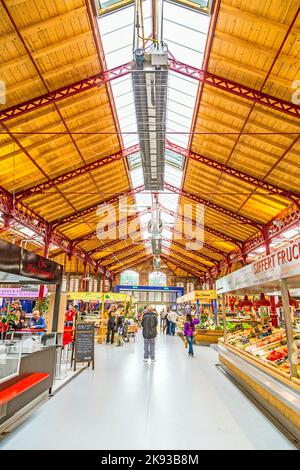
column 84, row 343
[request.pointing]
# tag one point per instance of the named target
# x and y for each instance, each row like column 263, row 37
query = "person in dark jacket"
column 149, row 325
column 111, row 325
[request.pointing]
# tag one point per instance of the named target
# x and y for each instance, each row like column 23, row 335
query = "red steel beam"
column 182, row 266
column 289, row 219
column 64, row 92
column 269, row 187
column 128, row 257
column 194, row 252
column 117, row 253
column 88, row 210
column 100, row 79
column 120, row 223
column 25, row 216
column 131, row 264
column 69, row 176
column 211, row 205
column 210, row 230
column 187, row 258
column 234, row 88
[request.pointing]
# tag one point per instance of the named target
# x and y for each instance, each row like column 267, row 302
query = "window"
column 202, row 5
column 157, row 278
column 106, row 6
column 190, row 287
column 129, row 278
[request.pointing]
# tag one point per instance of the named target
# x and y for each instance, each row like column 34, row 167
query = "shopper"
column 149, row 325
column 172, row 319
column 37, row 321
column 189, row 331
column 119, row 330
column 111, row 324
column 167, row 322
column 162, row 319
column 20, row 322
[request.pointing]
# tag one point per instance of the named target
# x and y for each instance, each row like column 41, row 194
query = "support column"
column 84, row 283
column 56, row 308
column 224, row 318
column 99, row 275
column 46, row 254
column 274, row 316
column 288, row 326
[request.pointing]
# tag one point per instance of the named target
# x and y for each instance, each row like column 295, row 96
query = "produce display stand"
column 203, row 298
column 275, row 357
column 100, row 320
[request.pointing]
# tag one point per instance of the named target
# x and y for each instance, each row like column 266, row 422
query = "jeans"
column 190, row 340
column 172, row 328
column 110, row 334
column 149, row 348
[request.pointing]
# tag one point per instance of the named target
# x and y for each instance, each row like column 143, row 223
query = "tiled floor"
column 176, row 403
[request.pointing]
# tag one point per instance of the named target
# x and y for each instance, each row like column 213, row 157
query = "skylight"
column 185, row 32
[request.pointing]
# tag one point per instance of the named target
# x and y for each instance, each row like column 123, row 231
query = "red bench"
column 24, row 383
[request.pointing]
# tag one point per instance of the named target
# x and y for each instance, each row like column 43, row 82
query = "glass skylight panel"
column 190, row 28
column 173, row 175
column 137, row 177
column 174, row 159
column 185, row 32
column 134, row 161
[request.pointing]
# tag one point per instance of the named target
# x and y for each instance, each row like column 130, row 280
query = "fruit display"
column 277, row 354
column 268, row 344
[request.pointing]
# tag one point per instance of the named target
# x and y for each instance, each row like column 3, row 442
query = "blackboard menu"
column 84, row 343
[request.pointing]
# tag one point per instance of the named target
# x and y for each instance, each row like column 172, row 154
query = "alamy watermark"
column 296, row 94
column 2, row 92
column 113, row 225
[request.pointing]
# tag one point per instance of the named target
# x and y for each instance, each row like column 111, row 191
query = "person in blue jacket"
column 37, row 321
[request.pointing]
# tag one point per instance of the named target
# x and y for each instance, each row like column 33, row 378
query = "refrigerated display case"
column 265, row 360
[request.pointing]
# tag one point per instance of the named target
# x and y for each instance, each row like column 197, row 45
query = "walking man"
column 149, row 325
column 172, row 319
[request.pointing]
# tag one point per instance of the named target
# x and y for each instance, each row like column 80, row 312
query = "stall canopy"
column 203, row 296
column 265, row 274
column 99, row 296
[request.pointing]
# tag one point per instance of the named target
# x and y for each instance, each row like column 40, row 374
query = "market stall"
column 206, row 304
column 267, row 357
column 93, row 307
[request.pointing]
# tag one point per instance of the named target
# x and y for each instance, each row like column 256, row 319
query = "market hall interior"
column 149, row 174
column 176, row 403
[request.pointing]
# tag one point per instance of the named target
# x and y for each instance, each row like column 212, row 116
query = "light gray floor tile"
column 176, row 403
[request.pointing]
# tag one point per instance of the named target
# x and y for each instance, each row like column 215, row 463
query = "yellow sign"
column 205, row 295
column 98, row 296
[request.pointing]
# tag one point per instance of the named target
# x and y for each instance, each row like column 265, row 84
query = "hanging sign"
column 38, row 267
column 205, row 295
column 283, row 263
column 21, row 293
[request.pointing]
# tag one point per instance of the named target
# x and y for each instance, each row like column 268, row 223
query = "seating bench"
column 24, row 383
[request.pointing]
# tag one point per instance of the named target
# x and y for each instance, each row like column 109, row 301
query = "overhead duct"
column 156, row 263
column 150, row 84
column 155, row 227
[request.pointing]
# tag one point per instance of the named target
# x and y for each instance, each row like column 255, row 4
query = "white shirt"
column 173, row 317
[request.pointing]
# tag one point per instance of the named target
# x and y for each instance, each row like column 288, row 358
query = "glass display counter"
column 12, row 351
column 10, row 358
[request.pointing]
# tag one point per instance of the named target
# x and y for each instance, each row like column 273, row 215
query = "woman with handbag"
column 189, row 331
